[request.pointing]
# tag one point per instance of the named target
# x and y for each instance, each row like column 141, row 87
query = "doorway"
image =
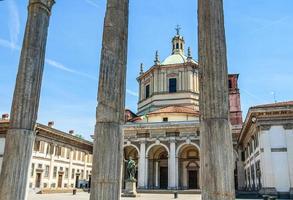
column 163, row 177
column 38, row 180
column 76, row 181
column 60, row 181
column 192, row 179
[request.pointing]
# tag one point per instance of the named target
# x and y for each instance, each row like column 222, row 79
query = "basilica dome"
column 176, row 58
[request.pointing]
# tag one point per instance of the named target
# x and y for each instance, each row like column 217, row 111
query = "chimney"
column 5, row 116
column 71, row 132
column 51, row 124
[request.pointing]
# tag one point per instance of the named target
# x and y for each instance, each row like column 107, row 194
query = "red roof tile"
column 175, row 109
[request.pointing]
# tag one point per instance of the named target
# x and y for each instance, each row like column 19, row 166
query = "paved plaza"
column 85, row 196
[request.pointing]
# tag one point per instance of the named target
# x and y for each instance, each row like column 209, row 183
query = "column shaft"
column 172, row 165
column 216, row 138
column 108, row 143
column 141, row 166
column 21, row 135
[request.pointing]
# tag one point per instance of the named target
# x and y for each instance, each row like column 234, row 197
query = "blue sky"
column 259, row 40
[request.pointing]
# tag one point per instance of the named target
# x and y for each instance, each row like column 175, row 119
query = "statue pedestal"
column 130, row 189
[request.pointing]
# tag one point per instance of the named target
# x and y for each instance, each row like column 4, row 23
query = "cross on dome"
column 178, row 28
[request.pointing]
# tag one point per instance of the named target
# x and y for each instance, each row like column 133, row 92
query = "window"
column 67, row 153
column 66, row 172
column 177, row 45
column 72, row 174
column 33, row 169
column 165, row 119
column 147, row 91
column 172, row 85
column 81, row 174
column 42, row 147
column 230, row 84
column 37, row 146
column 55, row 172
column 48, row 151
column 47, row 171
column 87, row 174
column 40, row 166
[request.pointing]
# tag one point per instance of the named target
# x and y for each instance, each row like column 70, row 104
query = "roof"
column 175, row 109
column 278, row 104
column 176, row 58
column 275, row 110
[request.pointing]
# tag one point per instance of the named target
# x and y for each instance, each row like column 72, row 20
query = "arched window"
column 177, row 45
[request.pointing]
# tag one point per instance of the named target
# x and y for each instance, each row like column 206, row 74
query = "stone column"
column 108, row 143
column 21, row 135
column 141, row 165
column 215, row 139
column 172, row 165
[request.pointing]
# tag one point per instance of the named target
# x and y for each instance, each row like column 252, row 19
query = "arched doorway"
column 129, row 151
column 157, row 167
column 188, row 167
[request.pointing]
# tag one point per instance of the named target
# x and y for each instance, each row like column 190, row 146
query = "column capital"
column 45, row 4
column 142, row 141
column 172, row 140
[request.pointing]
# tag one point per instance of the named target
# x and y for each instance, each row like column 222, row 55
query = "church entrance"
column 192, row 179
column 163, row 177
column 188, row 167
column 157, row 167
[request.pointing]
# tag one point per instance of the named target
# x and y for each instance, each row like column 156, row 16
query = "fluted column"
column 21, row 135
column 108, row 144
column 216, row 139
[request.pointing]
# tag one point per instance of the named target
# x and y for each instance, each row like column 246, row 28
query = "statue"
column 131, row 169
column 130, row 181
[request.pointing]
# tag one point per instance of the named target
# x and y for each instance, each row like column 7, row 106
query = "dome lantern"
column 178, row 42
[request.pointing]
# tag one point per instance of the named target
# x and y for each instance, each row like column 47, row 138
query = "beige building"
column 266, row 141
column 60, row 160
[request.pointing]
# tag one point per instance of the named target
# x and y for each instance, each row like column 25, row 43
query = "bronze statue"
column 131, row 169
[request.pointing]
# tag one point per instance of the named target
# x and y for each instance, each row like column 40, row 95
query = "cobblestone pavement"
column 85, row 196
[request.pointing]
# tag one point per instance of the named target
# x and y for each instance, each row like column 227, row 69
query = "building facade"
column 266, row 141
column 59, row 161
column 163, row 137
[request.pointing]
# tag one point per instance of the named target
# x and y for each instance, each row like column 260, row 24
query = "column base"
column 291, row 193
column 268, row 191
column 130, row 189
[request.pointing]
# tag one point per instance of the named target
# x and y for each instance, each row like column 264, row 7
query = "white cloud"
column 92, row 3
column 8, row 44
column 60, row 66
column 14, row 23
column 269, row 24
column 128, row 91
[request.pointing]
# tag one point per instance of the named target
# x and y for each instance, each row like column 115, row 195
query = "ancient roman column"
column 215, row 139
column 108, row 144
column 21, row 135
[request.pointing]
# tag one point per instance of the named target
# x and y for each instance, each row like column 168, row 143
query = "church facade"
column 164, row 136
